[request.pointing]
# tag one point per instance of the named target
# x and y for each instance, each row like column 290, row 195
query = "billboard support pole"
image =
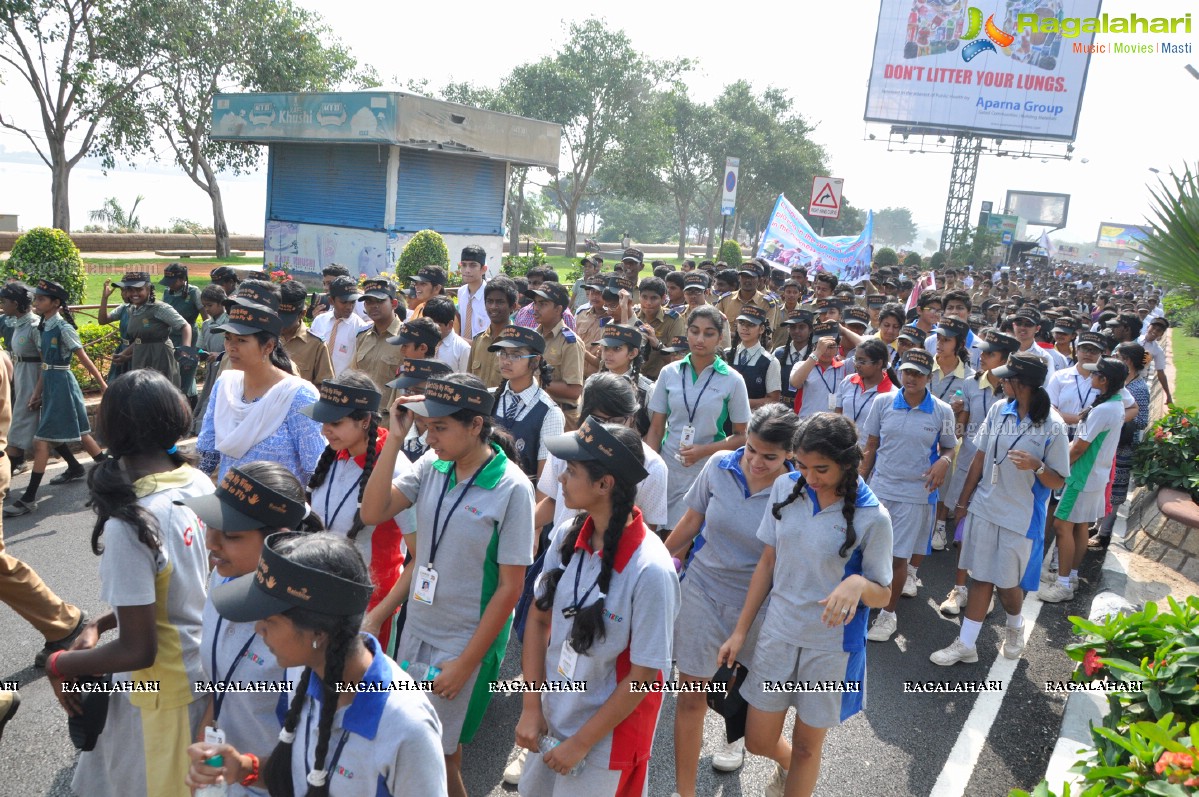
column 956, row 229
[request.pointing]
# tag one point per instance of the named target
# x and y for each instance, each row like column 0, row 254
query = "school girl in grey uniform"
column 604, row 618
column 826, row 561
column 689, row 405
column 727, row 501
column 1020, row 456
column 909, row 449
column 473, row 540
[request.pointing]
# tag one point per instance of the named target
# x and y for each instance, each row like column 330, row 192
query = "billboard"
column 936, row 65
column 1038, row 207
column 1122, row 236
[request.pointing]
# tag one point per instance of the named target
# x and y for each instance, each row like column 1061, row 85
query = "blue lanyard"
column 328, row 518
column 331, row 766
column 820, row 373
column 1082, row 402
column 683, row 379
column 995, row 452
column 439, row 528
column 952, row 379
column 857, row 411
column 218, row 696
column 577, row 603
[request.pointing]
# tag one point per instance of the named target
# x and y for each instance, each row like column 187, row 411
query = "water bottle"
column 420, row 671
column 547, row 743
column 220, row 789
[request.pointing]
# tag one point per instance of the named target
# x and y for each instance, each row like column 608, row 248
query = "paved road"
column 900, row 746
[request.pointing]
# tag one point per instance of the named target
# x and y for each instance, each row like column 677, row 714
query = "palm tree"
column 115, row 217
column 1172, row 250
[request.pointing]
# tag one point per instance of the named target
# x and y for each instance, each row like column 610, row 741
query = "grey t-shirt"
column 909, row 442
column 640, row 609
column 492, row 525
column 716, row 395
column 724, row 565
column 808, row 565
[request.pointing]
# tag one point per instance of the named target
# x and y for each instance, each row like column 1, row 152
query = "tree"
column 599, row 89
column 885, row 258
column 256, row 45
column 114, row 216
column 690, row 132
column 894, row 226
column 1172, row 250
column 84, row 61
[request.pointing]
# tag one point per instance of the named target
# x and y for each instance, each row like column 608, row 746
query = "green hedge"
column 46, row 253
column 426, row 248
column 99, row 348
column 730, row 252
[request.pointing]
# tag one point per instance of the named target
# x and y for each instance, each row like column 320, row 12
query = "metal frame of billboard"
column 1007, row 207
column 977, row 131
column 1099, row 236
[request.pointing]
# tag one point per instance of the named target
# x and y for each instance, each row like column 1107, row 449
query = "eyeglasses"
column 511, row 357
column 621, row 419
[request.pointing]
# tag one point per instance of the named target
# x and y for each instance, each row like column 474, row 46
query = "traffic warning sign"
column 826, row 197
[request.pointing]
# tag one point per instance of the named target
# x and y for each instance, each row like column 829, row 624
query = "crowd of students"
column 647, row 481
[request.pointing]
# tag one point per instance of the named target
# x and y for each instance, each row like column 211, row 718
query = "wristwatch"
column 1040, row 470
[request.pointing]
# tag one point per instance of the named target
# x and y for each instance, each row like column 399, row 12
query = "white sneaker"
column 778, row 782
column 884, row 626
column 730, row 757
column 957, row 651
column 939, row 536
column 955, row 602
column 1073, row 581
column 516, row 768
column 911, row 584
column 1049, row 577
column 1013, row 642
column 1056, row 593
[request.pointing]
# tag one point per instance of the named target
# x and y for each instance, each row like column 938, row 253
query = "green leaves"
column 46, row 253
column 1172, row 251
column 1169, row 454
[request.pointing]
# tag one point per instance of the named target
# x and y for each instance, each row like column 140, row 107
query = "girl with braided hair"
column 153, row 570
column 604, row 617
column 235, row 528
column 359, row 731
column 727, row 501
column 826, row 561
column 348, row 411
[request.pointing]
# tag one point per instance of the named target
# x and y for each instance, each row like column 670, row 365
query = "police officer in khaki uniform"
column 372, row 353
column 731, row 304
column 657, row 322
column 499, row 299
column 563, row 351
column 307, row 352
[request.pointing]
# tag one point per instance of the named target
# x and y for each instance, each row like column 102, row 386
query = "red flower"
column 1185, row 421
column 1091, row 663
column 1159, row 435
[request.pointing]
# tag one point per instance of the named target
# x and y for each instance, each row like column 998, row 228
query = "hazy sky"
column 1132, row 115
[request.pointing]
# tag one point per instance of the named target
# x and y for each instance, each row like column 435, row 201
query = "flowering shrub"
column 1169, row 454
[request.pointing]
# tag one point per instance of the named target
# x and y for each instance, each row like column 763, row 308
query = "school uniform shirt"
column 780, row 335
column 854, row 402
column 1013, row 499
column 564, row 354
column 651, row 493
column 731, row 303
column 944, row 385
column 309, row 356
column 667, row 325
column 1060, row 360
column 518, row 405
column 1050, row 362
column 485, row 364
column 979, row 397
column 640, row 608
column 754, row 356
column 732, row 514
column 972, row 349
column 336, row 501
column 808, row 566
column 714, row 395
column 234, row 655
column 821, row 385
column 527, row 317
column 910, row 440
column 481, row 526
column 341, row 350
column 454, row 351
column 379, row 359
column 389, row 740
column 1101, row 428
column 478, row 310
column 1070, row 392
column 1156, row 352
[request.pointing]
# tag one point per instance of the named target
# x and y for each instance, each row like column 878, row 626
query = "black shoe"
column 62, row 644
column 69, row 475
column 9, row 703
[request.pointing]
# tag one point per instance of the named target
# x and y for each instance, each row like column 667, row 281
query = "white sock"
column 1015, row 621
column 884, row 613
column 960, row 588
column 1064, row 581
column 969, row 633
column 940, row 527
column 1074, row 574
column 911, row 569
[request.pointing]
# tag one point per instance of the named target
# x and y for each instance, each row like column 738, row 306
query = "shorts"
column 538, row 780
column 452, row 713
column 912, row 525
column 993, row 554
column 1081, row 506
column 702, row 626
column 776, row 661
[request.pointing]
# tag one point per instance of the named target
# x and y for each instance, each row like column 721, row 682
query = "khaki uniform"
column 564, row 353
column 779, row 333
column 731, row 305
column 378, row 358
column 589, row 330
column 309, row 356
column 666, row 326
column 485, row 364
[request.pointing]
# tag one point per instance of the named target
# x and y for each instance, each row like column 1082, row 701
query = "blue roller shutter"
column 337, row 184
column 453, row 194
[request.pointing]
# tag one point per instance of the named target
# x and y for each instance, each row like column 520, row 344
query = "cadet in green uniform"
column 185, row 298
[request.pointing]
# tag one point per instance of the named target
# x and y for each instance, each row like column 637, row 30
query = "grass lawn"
column 1186, row 368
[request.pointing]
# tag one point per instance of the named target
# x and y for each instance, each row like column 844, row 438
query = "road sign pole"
column 724, row 221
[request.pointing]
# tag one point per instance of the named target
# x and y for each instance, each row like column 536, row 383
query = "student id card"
column 567, row 661
column 687, row 437
column 832, row 401
column 426, row 585
column 213, row 735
